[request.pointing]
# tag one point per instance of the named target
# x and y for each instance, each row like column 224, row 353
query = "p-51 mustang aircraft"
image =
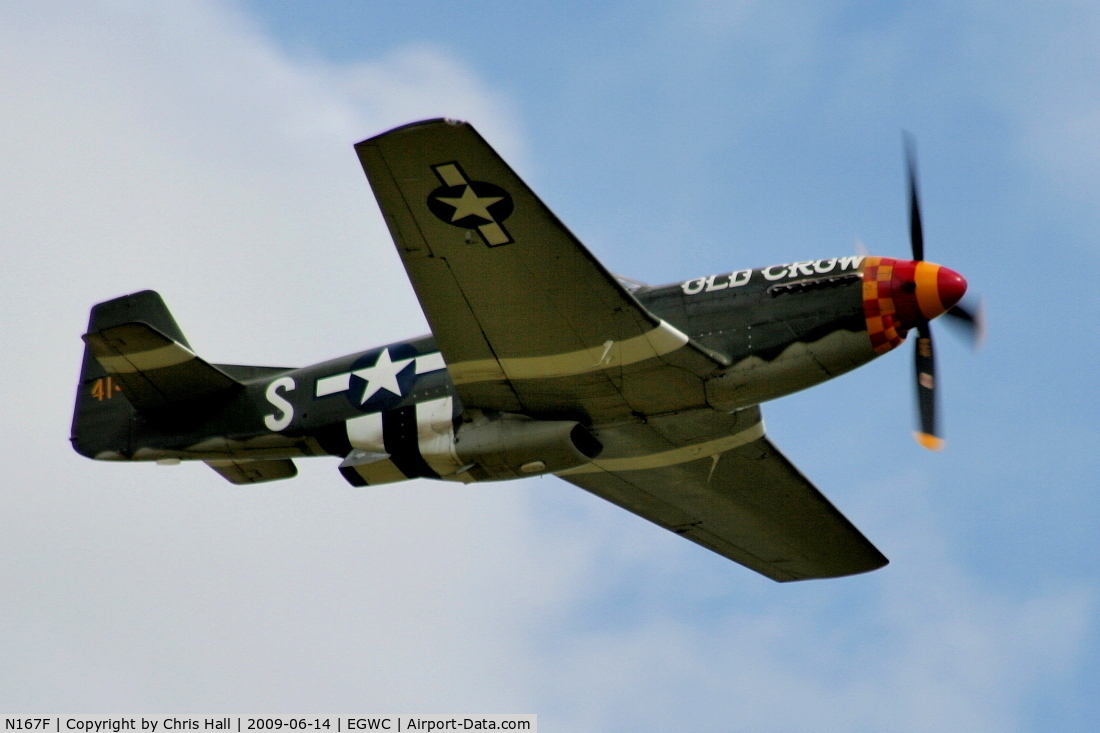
column 540, row 361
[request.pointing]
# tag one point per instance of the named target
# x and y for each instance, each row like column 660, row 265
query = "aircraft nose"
column 899, row 295
column 937, row 289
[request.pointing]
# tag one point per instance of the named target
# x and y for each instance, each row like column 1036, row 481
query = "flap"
column 254, row 472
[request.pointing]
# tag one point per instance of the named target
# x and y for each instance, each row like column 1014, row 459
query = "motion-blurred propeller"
column 970, row 321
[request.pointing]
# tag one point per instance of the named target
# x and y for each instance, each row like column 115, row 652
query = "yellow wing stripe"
column 672, row 457
column 663, row 339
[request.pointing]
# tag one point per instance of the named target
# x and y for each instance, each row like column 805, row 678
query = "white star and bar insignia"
column 382, row 375
column 471, row 204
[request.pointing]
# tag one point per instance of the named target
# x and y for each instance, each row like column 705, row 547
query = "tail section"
column 154, row 370
column 137, row 364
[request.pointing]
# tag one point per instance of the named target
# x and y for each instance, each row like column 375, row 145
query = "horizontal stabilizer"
column 155, row 370
column 254, row 472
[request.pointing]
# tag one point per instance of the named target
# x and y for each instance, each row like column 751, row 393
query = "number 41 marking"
column 104, row 388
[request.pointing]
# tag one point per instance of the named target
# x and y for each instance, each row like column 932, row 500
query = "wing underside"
column 746, row 502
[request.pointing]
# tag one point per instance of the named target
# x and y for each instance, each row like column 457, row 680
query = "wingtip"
column 449, row 121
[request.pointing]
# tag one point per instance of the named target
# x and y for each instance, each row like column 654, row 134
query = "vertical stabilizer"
column 136, row 360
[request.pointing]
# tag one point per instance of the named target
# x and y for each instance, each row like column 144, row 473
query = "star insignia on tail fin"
column 471, row 205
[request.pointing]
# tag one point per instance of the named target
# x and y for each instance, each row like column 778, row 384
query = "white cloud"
column 171, row 146
column 918, row 646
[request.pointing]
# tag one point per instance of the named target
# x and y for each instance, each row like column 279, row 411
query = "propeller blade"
column 926, row 389
column 916, row 231
column 972, row 323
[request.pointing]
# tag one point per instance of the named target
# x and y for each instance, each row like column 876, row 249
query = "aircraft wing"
column 525, row 317
column 740, row 497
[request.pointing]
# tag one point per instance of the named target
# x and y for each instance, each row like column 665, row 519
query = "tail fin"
column 136, row 360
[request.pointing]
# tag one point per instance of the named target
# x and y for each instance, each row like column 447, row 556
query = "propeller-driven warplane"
column 540, row 361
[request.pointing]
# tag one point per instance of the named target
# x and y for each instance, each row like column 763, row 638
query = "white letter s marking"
column 284, row 410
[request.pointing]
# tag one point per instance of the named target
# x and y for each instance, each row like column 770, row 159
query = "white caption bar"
column 267, row 723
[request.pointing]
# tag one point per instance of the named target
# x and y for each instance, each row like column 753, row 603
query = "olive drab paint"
column 647, row 396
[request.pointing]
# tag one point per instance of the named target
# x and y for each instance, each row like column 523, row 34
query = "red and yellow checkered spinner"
column 900, row 295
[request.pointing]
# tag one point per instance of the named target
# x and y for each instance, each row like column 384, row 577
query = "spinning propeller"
column 938, row 291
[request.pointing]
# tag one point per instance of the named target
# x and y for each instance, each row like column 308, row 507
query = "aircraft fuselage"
column 779, row 329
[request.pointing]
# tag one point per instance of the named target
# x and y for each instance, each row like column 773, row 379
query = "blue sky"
column 205, row 151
